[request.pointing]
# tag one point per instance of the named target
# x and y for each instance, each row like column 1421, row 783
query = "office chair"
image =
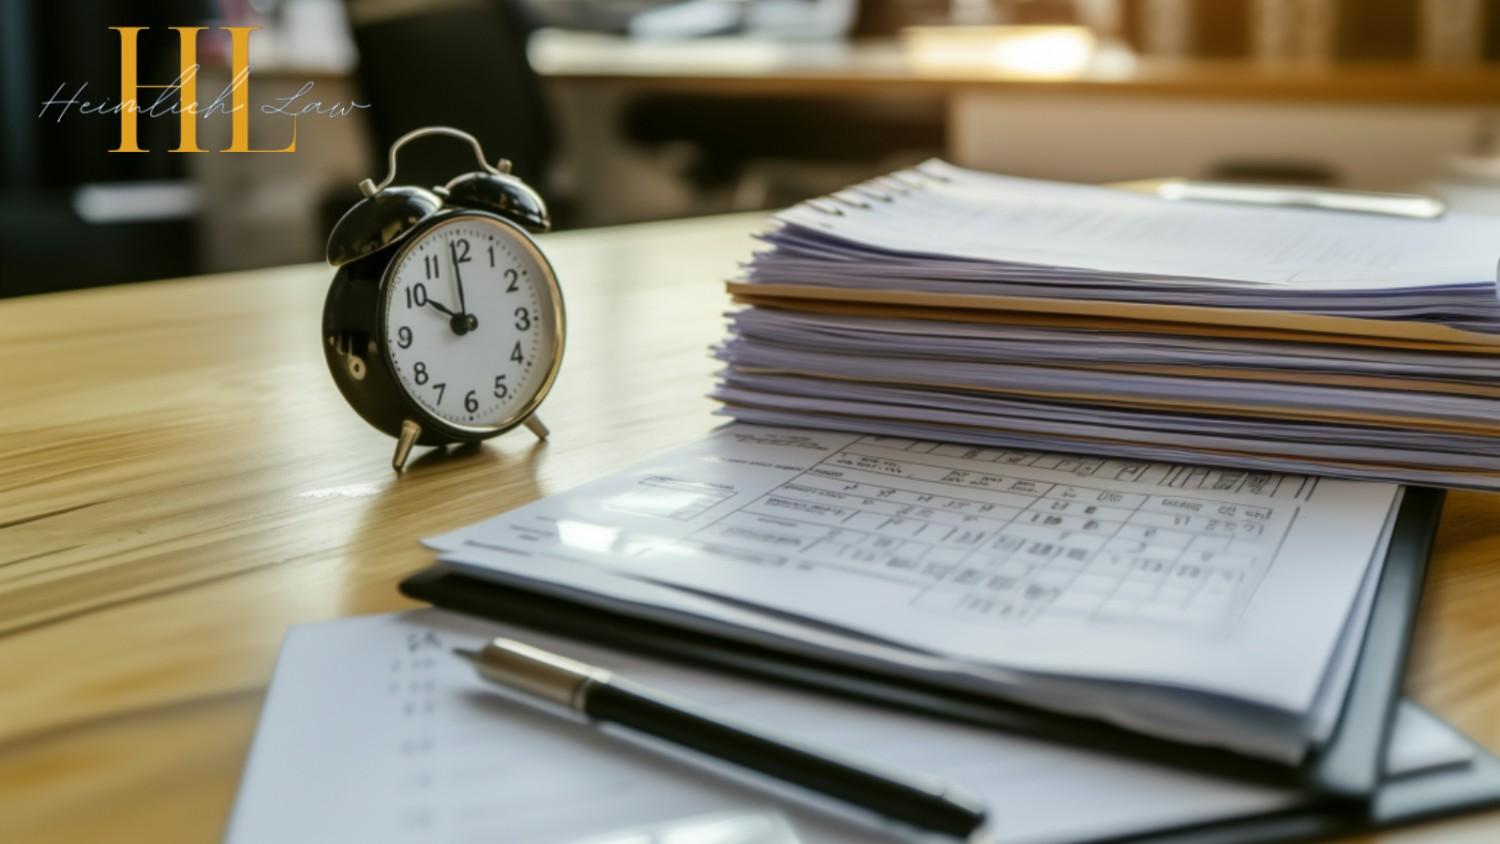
column 458, row 63
column 730, row 136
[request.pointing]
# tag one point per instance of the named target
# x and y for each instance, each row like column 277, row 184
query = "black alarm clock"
column 444, row 322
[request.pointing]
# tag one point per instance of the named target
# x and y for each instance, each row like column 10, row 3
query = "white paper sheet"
column 1254, row 455
column 373, row 732
column 1269, row 396
column 966, row 214
column 1061, row 346
column 1230, row 582
column 798, row 395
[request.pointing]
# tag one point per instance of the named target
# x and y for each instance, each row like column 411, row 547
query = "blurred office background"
column 629, row 110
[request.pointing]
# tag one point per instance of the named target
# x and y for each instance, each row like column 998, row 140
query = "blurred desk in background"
column 737, row 65
column 786, row 104
column 1114, row 116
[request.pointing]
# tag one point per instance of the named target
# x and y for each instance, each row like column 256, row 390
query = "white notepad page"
column 374, row 732
column 1230, row 582
column 983, row 216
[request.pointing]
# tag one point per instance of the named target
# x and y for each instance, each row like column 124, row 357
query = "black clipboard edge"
column 1352, row 760
column 475, row 596
column 1403, row 801
column 1347, row 769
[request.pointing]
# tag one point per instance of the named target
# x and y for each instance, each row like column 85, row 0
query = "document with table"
column 1211, row 606
column 373, row 731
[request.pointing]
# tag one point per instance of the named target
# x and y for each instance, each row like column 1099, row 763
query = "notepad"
column 373, row 732
column 1204, row 605
column 1025, row 228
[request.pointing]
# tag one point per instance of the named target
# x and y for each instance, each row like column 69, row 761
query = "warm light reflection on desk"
column 1040, row 51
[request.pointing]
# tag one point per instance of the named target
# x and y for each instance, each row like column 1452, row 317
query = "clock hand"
column 458, row 276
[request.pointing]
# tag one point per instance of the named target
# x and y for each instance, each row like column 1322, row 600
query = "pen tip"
column 466, row 653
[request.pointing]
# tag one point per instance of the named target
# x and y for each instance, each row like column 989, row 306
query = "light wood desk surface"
column 180, row 481
column 742, row 65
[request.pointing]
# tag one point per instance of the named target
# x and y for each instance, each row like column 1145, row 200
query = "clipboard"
column 1346, row 770
column 1424, row 796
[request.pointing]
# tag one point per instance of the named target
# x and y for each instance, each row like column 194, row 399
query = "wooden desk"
column 181, row 482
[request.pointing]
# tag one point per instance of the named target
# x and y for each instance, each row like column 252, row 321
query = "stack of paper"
column 1207, row 606
column 957, row 305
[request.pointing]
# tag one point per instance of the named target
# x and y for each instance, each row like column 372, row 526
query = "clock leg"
column 534, row 425
column 410, row 431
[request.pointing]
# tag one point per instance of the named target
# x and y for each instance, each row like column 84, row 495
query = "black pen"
column 923, row 803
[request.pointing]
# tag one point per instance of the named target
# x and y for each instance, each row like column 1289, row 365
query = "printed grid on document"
column 998, row 547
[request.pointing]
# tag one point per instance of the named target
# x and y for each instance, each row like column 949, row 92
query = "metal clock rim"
column 415, row 409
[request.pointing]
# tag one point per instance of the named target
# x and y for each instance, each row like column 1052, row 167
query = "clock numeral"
column 515, row 354
column 431, row 264
column 416, row 296
column 523, row 319
column 403, row 337
column 461, row 251
column 492, row 257
column 471, row 402
column 501, row 391
column 512, row 277
column 420, row 372
column 440, row 387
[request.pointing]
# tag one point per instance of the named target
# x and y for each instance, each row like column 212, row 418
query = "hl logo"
column 186, row 87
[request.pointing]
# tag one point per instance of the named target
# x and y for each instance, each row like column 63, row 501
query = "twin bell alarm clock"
column 444, row 323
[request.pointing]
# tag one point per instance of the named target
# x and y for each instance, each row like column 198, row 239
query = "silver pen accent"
column 542, row 674
column 911, row 800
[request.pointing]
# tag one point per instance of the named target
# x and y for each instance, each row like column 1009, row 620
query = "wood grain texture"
column 181, row 481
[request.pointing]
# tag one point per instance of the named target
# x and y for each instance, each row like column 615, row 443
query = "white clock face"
column 471, row 322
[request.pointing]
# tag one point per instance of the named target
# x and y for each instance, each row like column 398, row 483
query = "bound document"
column 1224, row 608
column 949, row 304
